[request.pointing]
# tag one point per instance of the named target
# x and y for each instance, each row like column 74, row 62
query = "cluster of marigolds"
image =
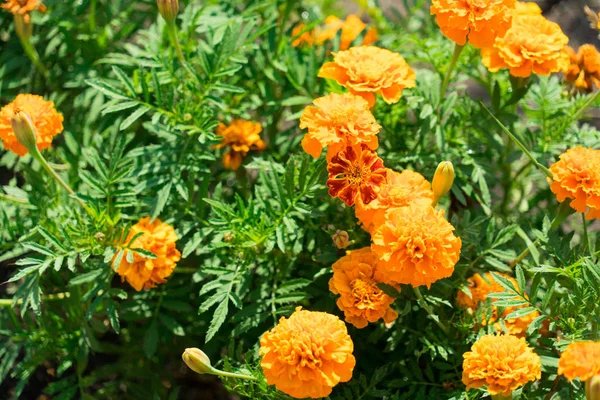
column 412, row 243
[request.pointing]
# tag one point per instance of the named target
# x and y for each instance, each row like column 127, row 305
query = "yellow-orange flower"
column 532, row 45
column 241, row 137
column 527, row 8
column 400, row 190
column 306, row 38
column 480, row 287
column 501, row 363
column 307, row 354
column 355, row 278
column 24, row 7
column 584, row 67
column 337, row 121
column 157, row 237
column 416, row 245
column 366, row 70
column 46, row 120
column 580, row 360
column 478, row 21
column 576, row 176
column 355, row 173
column 351, row 28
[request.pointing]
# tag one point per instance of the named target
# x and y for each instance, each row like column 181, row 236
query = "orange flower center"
column 358, row 173
column 363, row 289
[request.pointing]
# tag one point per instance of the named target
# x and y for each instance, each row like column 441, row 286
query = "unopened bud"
column 442, row 180
column 592, row 17
column 341, row 239
column 23, row 129
column 592, row 388
column 228, row 237
column 168, row 9
column 197, row 361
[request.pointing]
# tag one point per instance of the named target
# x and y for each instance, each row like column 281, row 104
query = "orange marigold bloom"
column 580, row 360
column 576, row 176
column 338, row 121
column 502, row 363
column 159, row 238
column 416, row 245
column 355, row 173
column 24, row 7
column 241, row 137
column 366, row 70
column 355, row 278
column 584, row 67
column 400, row 190
column 527, row 8
column 307, row 354
column 478, row 21
column 306, row 38
column 532, row 45
column 46, row 120
column 351, row 28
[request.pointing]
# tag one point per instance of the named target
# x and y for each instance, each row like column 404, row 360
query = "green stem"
column 588, row 103
column 234, row 375
column 33, row 56
column 457, row 50
column 50, row 297
column 92, row 16
column 586, row 238
column 13, row 199
column 184, row 270
column 426, row 307
column 172, row 28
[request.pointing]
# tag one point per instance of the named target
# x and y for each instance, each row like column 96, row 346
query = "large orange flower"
column 576, row 176
column 24, row 7
column 46, row 120
column 355, row 278
column 478, row 21
column 501, row 363
column 400, row 190
column 480, row 287
column 580, row 360
column 355, row 173
column 241, row 137
column 584, row 67
column 527, row 8
column 337, row 121
column 158, row 238
column 307, row 354
column 416, row 245
column 351, row 28
column 533, row 45
column 366, row 70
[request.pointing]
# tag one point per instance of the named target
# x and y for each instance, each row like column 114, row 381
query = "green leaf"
column 124, row 80
column 151, row 340
column 521, row 312
column 160, row 200
column 218, row 319
column 172, row 325
column 113, row 316
column 137, row 114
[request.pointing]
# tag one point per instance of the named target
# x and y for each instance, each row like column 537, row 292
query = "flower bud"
column 168, row 9
column 442, row 180
column 197, row 361
column 592, row 388
column 341, row 239
column 24, row 130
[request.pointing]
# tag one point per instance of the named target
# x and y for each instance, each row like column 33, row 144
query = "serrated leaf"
column 217, row 319
column 134, row 116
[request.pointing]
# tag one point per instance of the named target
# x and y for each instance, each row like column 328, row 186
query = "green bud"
column 24, row 130
column 168, row 9
column 592, row 388
column 197, row 361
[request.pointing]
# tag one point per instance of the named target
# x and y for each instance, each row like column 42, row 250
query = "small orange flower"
column 307, row 354
column 366, row 70
column 158, row 238
column 24, row 7
column 576, row 176
column 584, row 67
column 415, row 245
column 351, row 28
column 478, row 21
column 532, row 45
column 306, row 38
column 241, row 137
column 355, row 278
column 527, row 8
column 501, row 363
column 355, row 173
column 338, row 121
column 580, row 360
column 46, row 120
column 401, row 189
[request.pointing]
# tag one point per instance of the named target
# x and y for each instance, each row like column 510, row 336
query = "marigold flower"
column 527, row 8
column 479, row 22
column 159, row 238
column 24, row 7
column 584, row 67
column 351, row 28
column 306, row 38
column 576, row 176
column 355, row 278
column 502, row 363
column 580, row 360
column 338, row 121
column 46, row 120
column 307, row 354
column 532, row 45
column 366, row 70
column 400, row 190
column 241, row 137
column 415, row 245
column 356, row 172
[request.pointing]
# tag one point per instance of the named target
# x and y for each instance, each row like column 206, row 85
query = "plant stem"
column 457, row 50
column 50, row 297
column 185, row 270
column 92, row 16
column 33, row 55
column 172, row 28
column 426, row 307
column 13, row 199
column 234, row 375
column 585, row 239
